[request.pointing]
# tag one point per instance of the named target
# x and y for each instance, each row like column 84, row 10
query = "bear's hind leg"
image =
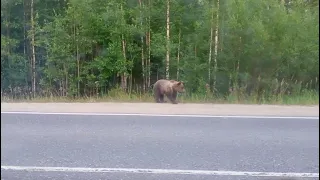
column 157, row 100
column 156, row 97
column 161, row 98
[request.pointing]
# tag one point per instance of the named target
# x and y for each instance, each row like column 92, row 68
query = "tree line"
column 77, row 48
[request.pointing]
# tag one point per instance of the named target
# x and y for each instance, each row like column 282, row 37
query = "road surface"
column 237, row 145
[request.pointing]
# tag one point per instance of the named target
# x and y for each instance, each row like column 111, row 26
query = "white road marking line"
column 160, row 171
column 159, row 115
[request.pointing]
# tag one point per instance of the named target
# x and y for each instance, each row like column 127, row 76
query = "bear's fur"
column 169, row 88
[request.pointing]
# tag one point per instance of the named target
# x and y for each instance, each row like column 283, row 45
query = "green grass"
column 116, row 95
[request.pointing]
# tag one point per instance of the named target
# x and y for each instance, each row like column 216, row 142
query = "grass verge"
column 116, row 95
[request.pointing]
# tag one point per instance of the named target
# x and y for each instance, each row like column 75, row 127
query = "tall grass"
column 236, row 97
column 275, row 92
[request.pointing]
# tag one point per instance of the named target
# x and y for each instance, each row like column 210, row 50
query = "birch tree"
column 168, row 41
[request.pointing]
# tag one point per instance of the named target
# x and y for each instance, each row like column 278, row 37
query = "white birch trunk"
column 216, row 40
column 210, row 50
column 168, row 41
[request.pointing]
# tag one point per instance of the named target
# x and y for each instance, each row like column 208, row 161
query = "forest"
column 253, row 51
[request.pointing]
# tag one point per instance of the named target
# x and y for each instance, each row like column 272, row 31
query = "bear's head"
column 178, row 86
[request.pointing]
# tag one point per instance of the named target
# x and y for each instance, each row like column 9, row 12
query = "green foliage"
column 266, row 50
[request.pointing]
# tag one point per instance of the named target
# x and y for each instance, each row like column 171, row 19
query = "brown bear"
column 169, row 88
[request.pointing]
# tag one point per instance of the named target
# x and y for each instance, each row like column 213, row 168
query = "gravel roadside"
column 153, row 108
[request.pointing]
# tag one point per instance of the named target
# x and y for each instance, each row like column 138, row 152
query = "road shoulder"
column 153, row 108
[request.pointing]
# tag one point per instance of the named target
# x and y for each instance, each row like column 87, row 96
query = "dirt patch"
column 153, row 108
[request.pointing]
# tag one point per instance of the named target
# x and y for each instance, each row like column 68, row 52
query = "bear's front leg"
column 172, row 98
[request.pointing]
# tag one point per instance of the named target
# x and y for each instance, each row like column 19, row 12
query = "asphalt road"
column 219, row 144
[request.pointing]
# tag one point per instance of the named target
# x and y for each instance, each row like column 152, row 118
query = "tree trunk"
column 25, row 42
column 168, row 40
column 130, row 82
column 236, row 85
column 78, row 72
column 77, row 56
column 66, row 80
column 9, row 47
column 238, row 65
column 142, row 52
column 33, row 64
column 178, row 54
column 147, row 67
column 210, row 48
column 124, row 74
column 149, row 44
column 216, row 47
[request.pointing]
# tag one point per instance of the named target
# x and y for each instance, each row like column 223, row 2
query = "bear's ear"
column 179, row 83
